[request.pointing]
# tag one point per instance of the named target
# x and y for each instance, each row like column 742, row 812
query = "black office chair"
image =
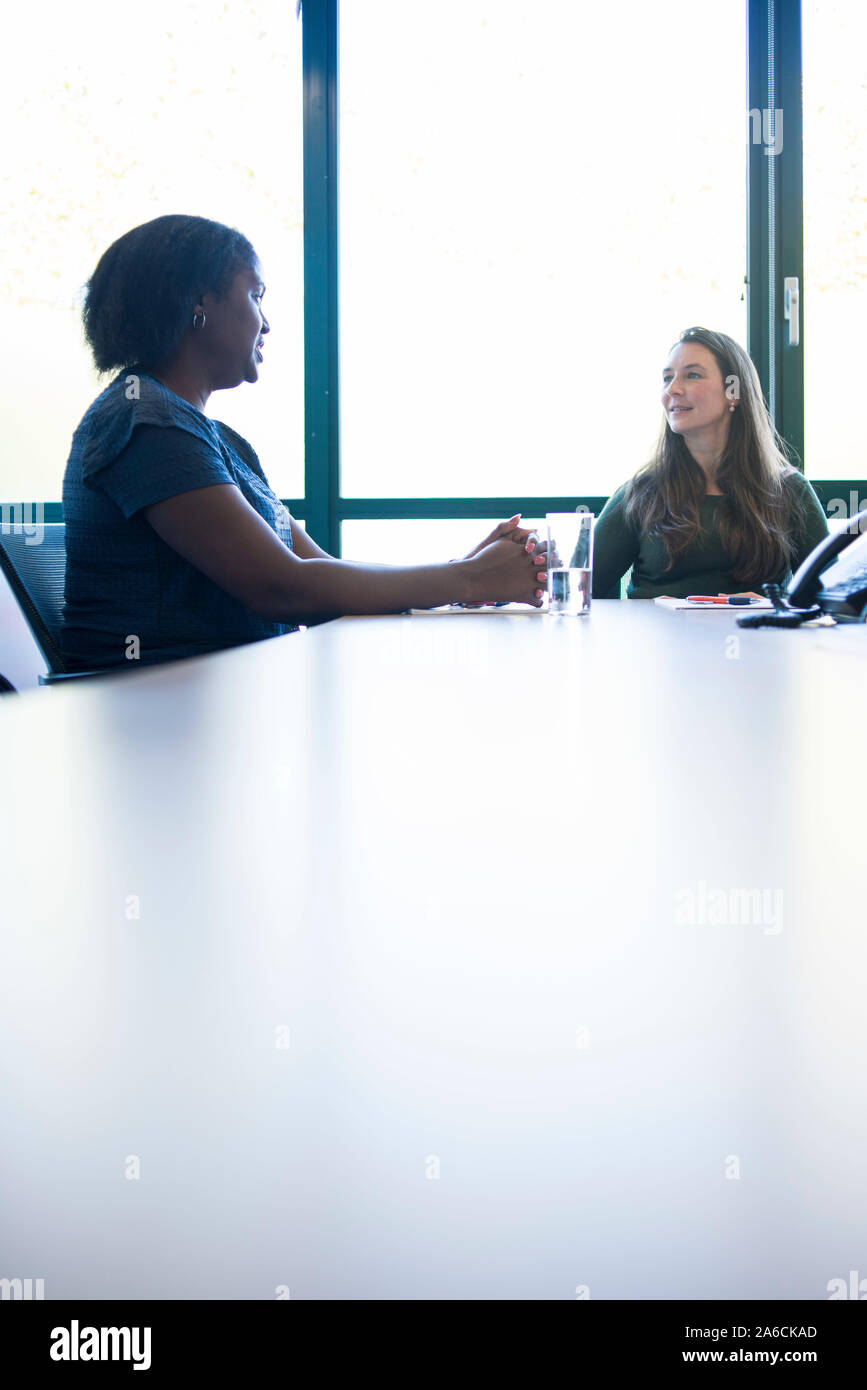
column 36, row 574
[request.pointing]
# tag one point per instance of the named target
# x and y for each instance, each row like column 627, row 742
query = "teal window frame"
column 775, row 213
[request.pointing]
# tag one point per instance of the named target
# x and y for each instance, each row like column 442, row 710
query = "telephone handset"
column 832, row 579
column 834, row 576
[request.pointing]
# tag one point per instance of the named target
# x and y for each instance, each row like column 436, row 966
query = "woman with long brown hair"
column 718, row 509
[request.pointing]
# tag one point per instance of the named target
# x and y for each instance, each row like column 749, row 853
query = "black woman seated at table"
column 718, row 509
column 176, row 544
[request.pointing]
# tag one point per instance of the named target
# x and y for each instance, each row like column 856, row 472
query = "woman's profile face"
column 233, row 337
column 693, row 390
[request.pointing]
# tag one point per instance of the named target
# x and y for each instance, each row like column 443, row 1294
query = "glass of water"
column 570, row 536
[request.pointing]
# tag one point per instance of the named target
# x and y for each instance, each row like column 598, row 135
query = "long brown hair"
column 759, row 518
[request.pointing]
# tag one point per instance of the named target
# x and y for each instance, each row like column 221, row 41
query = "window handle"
column 792, row 309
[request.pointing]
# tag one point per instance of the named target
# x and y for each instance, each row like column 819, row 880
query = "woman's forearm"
column 217, row 531
column 341, row 586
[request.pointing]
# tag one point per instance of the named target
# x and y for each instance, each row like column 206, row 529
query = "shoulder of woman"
column 618, row 496
column 618, row 504
column 795, row 482
column 241, row 446
column 133, row 399
column 802, row 490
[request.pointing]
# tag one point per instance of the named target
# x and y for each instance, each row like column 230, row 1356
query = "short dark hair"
column 140, row 298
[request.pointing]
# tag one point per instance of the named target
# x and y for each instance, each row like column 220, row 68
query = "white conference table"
column 468, row 957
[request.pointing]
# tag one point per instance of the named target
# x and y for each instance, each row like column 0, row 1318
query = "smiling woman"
column 176, row 544
column 718, row 509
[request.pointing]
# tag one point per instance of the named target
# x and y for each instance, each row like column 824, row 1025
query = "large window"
column 535, row 199
column 114, row 114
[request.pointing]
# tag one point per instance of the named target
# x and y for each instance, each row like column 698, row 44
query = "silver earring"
column 732, row 408
column 199, row 319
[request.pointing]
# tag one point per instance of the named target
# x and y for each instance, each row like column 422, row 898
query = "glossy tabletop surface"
column 476, row 956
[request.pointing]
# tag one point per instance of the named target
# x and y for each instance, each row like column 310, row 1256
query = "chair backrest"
column 36, row 573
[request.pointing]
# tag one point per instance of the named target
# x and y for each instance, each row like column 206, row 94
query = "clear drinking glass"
column 570, row 535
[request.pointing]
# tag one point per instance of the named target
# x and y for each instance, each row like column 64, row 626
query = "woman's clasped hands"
column 513, row 553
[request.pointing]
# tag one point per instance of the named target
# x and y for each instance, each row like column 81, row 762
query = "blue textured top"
column 138, row 444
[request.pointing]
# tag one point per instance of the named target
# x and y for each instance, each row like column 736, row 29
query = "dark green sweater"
column 705, row 568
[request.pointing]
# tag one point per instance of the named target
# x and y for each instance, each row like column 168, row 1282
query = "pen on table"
column 737, row 600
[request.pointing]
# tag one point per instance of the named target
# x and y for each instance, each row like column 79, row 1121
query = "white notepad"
column 509, row 609
column 720, row 607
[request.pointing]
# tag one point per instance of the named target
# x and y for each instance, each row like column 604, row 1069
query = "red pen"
column 736, row 600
